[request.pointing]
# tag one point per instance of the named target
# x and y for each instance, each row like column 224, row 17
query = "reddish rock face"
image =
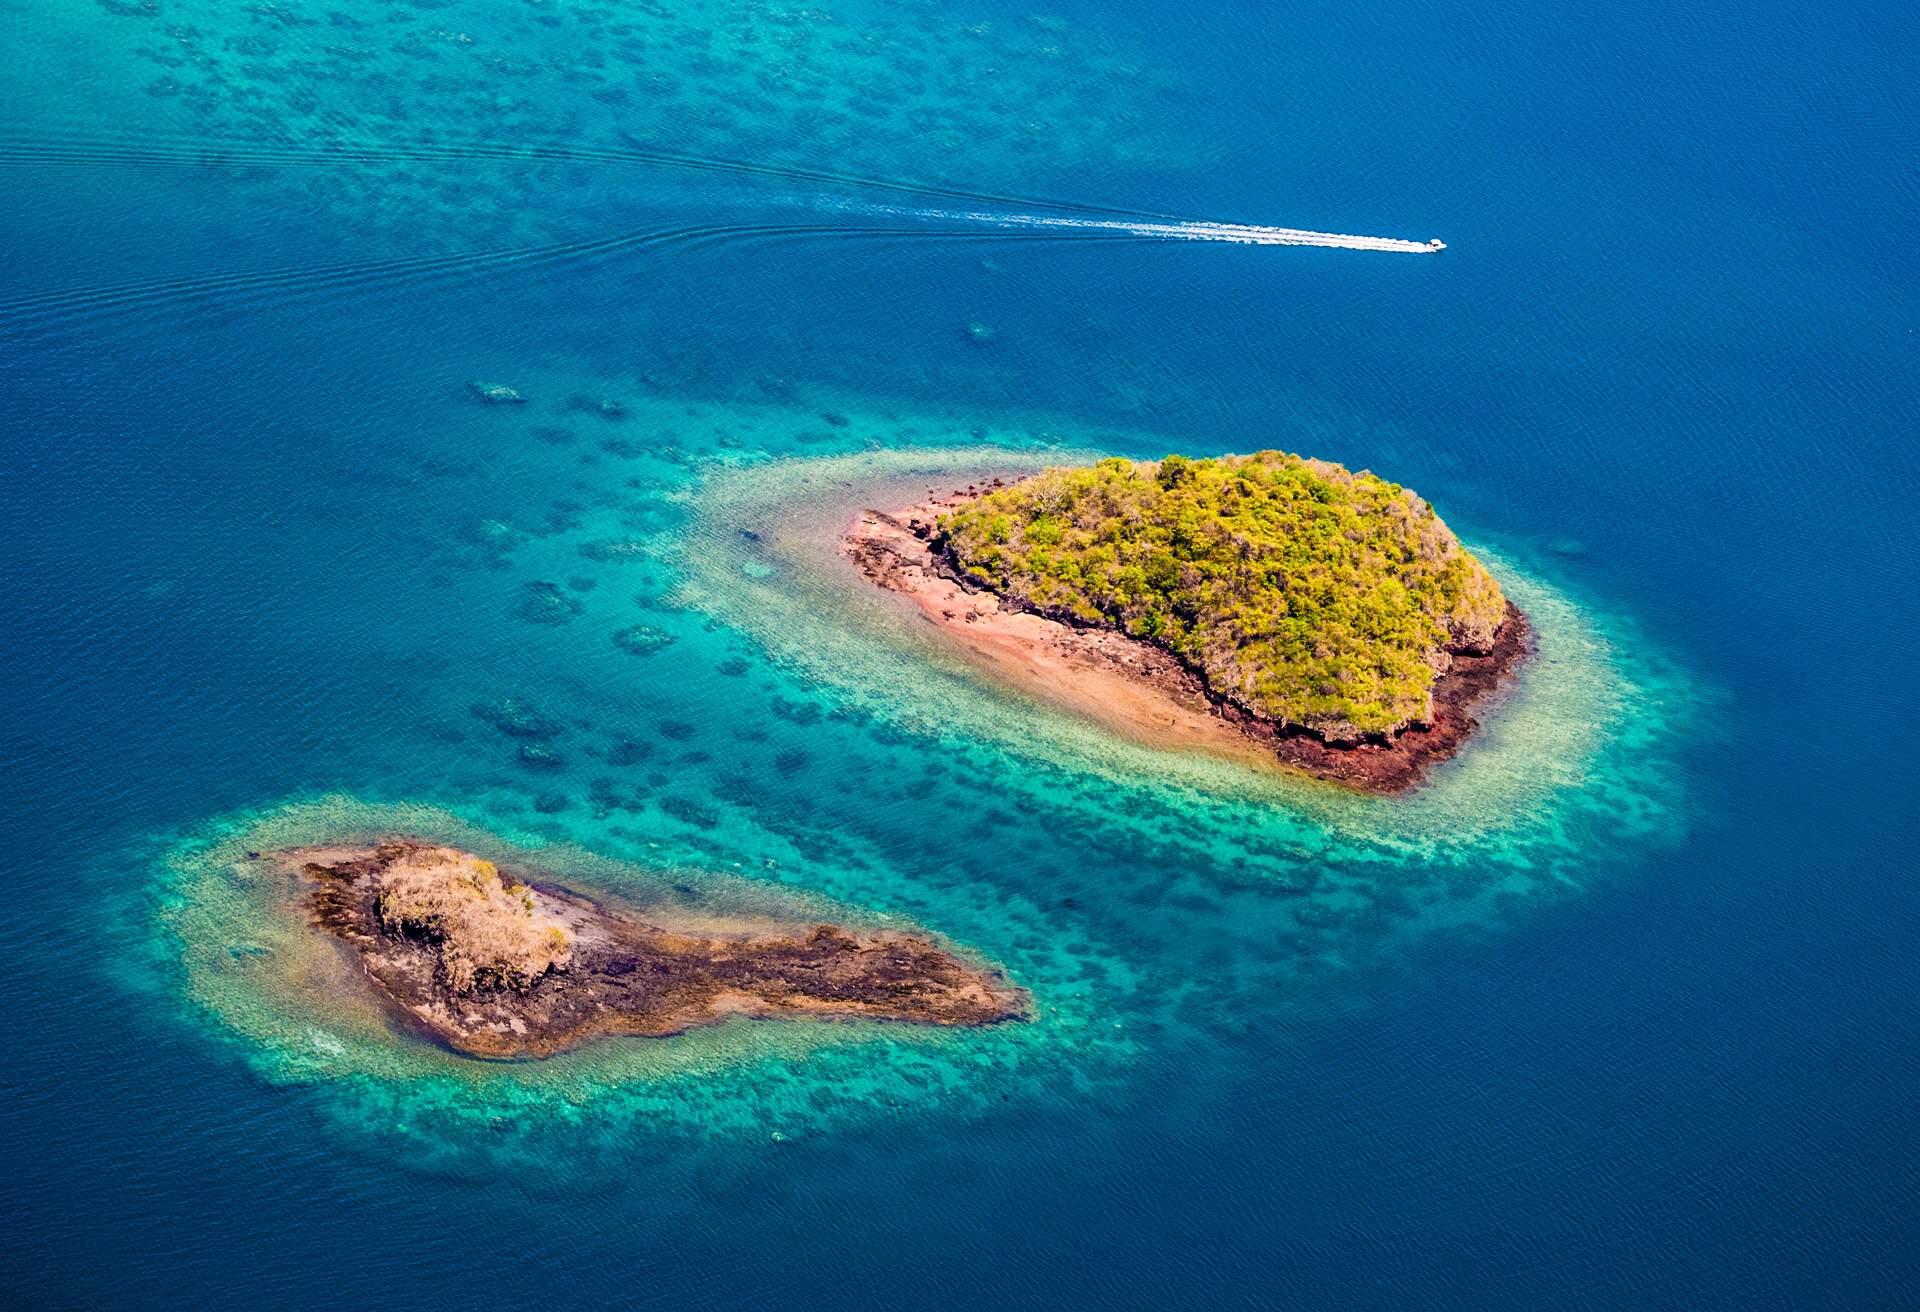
column 1396, row 764
column 440, row 934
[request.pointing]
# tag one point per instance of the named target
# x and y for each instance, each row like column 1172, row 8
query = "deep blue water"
column 1668, row 360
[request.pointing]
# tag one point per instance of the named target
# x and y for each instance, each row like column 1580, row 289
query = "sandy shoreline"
column 1140, row 691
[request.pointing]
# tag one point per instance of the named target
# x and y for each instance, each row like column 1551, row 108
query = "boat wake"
column 1245, row 234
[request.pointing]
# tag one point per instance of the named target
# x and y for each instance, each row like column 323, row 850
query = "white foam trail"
column 1245, row 234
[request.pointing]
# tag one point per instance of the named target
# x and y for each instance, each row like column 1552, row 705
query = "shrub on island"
column 1300, row 591
column 488, row 931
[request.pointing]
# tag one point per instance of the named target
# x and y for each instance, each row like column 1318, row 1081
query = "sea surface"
column 1619, row 1012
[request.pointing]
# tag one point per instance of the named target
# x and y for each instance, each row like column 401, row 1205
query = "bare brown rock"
column 494, row 965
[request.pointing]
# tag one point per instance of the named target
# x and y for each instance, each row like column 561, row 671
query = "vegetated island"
column 1263, row 606
column 496, row 966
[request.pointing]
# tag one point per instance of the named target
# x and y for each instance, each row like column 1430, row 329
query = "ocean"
column 1619, row 1011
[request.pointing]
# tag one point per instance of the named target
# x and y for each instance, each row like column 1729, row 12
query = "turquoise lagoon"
column 808, row 745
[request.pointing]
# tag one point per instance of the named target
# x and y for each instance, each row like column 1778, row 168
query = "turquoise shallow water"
column 783, row 671
column 1617, row 1012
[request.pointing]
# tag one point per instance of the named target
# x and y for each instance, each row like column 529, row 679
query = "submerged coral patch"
column 549, row 98
column 236, row 932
